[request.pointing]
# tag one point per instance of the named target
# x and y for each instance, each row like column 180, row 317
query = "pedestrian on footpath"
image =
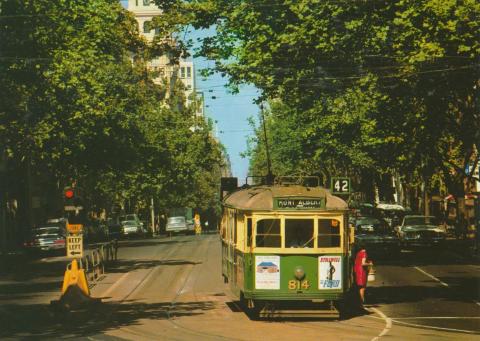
column 361, row 267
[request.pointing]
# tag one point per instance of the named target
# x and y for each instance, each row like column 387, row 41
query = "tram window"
column 268, row 233
column 328, row 233
column 249, row 231
column 298, row 232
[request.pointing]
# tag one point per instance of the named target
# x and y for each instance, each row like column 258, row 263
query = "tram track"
column 202, row 252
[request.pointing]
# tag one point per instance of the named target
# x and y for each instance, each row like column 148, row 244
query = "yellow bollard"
column 75, row 276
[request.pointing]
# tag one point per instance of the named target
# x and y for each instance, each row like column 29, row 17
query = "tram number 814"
column 297, row 285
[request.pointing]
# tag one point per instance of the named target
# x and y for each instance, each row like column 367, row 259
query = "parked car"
column 131, row 228
column 179, row 225
column 114, row 228
column 47, row 238
column 376, row 236
column 132, row 217
column 420, row 230
column 391, row 213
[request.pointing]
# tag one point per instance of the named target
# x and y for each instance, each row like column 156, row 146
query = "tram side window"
column 328, row 233
column 268, row 233
column 249, row 231
column 299, row 233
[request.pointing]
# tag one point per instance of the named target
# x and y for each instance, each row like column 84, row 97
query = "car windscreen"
column 420, row 220
column 176, row 220
column 133, row 223
column 367, row 221
column 372, row 226
column 42, row 231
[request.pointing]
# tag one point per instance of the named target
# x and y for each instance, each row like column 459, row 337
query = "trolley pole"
column 267, row 151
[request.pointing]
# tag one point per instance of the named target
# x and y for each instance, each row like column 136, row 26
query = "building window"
column 136, row 3
column 146, row 2
column 189, row 72
column 146, row 27
column 182, row 72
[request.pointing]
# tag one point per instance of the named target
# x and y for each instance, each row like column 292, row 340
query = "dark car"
column 46, row 238
column 391, row 213
column 420, row 230
column 376, row 236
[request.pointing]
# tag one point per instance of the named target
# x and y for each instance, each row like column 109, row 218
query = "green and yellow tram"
column 285, row 244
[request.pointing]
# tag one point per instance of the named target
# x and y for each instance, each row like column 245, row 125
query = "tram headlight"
column 299, row 272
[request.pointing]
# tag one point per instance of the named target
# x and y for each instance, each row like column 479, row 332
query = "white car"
column 179, row 225
column 131, row 227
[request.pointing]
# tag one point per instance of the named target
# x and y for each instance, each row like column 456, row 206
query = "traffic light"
column 73, row 205
column 69, row 193
column 72, row 199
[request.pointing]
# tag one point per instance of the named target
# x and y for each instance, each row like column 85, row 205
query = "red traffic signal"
column 69, row 193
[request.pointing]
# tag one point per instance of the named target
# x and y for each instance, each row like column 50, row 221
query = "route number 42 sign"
column 340, row 185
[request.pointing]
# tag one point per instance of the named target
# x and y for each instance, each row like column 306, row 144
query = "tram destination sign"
column 299, row 203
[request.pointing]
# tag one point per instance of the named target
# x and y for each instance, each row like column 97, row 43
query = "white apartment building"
column 144, row 11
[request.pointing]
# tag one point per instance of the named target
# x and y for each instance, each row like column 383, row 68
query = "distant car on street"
column 132, row 217
column 420, row 230
column 179, row 225
column 391, row 213
column 376, row 236
column 131, row 228
column 47, row 238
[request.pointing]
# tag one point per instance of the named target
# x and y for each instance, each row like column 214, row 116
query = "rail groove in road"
column 180, row 294
column 184, row 273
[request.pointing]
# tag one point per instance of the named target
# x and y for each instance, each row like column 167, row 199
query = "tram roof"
column 261, row 198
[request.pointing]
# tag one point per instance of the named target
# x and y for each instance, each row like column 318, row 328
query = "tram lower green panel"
column 279, row 276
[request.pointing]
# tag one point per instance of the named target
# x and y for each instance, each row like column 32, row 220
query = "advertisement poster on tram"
column 329, row 272
column 267, row 272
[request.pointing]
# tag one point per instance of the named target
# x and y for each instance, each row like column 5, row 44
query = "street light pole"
column 3, row 200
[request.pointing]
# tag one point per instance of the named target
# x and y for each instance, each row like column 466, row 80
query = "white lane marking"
column 388, row 324
column 431, row 276
column 436, row 328
column 115, row 285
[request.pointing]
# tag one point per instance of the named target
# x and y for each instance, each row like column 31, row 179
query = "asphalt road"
column 171, row 289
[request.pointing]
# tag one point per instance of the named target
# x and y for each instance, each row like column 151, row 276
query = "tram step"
column 295, row 313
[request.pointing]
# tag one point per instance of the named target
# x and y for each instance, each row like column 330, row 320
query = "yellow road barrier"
column 75, row 276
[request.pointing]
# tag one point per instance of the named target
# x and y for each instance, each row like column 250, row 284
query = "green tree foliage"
column 364, row 86
column 76, row 108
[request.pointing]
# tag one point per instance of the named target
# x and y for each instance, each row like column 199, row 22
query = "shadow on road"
column 122, row 266
column 6, row 290
column 42, row 321
column 463, row 289
column 28, row 269
column 419, row 257
column 147, row 242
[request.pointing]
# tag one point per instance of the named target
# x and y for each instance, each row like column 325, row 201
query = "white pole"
column 152, row 216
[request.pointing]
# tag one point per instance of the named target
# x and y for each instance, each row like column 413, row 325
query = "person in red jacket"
column 361, row 272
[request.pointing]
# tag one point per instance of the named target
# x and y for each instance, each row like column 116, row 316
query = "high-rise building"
column 144, row 11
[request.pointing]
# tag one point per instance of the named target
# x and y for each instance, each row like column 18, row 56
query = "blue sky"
column 230, row 112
